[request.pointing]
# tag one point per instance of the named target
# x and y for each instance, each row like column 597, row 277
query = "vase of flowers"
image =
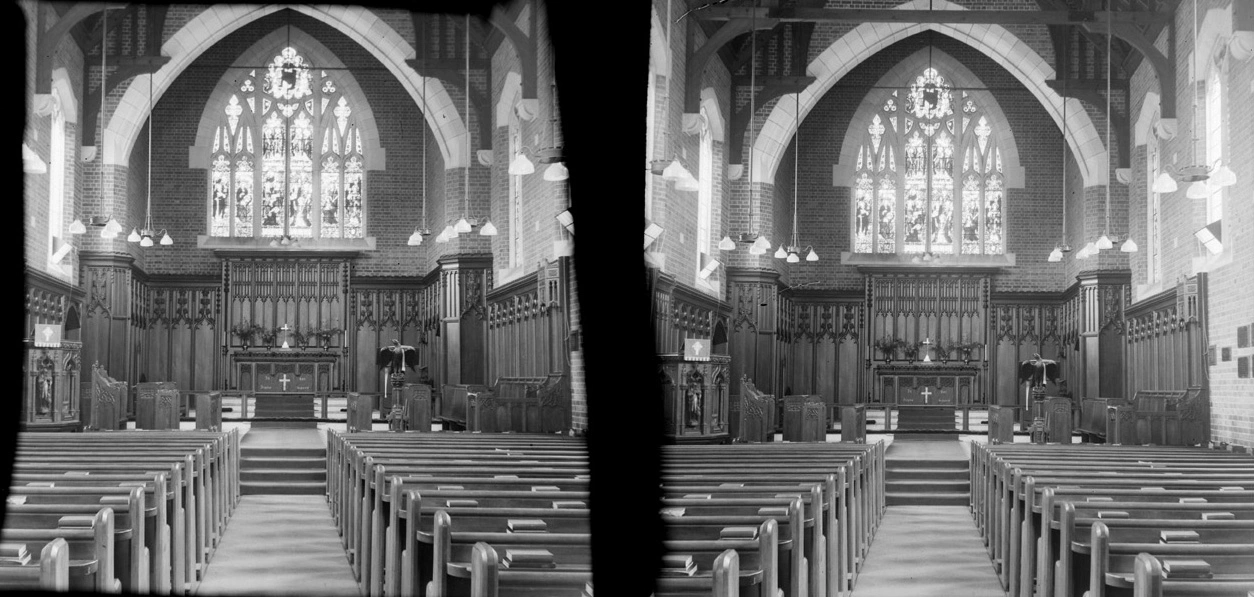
column 244, row 331
column 302, row 336
column 326, row 334
column 267, row 334
column 943, row 351
column 888, row 346
column 911, row 350
column 966, row 349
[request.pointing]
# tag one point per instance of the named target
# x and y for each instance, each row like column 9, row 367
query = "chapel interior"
column 939, row 297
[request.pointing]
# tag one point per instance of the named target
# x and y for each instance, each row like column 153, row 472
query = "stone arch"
column 1150, row 113
column 511, row 92
column 714, row 114
column 866, row 39
column 263, row 52
column 219, row 20
column 900, row 76
column 659, row 51
column 65, row 94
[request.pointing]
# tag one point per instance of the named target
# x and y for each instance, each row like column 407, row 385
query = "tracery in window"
column 949, row 193
column 304, row 175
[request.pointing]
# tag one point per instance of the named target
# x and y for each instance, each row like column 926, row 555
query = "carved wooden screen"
column 945, row 310
column 820, row 339
column 176, row 339
column 1165, row 349
column 301, row 294
column 380, row 313
column 527, row 326
column 1022, row 329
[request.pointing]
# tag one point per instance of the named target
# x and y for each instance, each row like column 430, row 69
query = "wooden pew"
column 51, row 572
column 777, row 559
column 1111, row 564
column 571, row 551
column 1149, row 581
column 759, row 563
column 90, row 541
column 488, row 579
column 141, row 551
column 722, row 582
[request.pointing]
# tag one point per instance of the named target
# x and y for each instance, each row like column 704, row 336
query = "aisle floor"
column 280, row 545
column 926, row 551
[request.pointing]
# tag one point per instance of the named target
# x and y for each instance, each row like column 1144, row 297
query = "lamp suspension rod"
column 1065, row 190
column 104, row 79
column 753, row 87
column 425, row 109
column 796, row 145
column 466, row 178
column 152, row 108
column 1109, row 37
column 1193, row 84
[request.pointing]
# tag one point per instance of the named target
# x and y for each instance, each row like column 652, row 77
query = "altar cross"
column 926, row 393
column 285, row 329
column 283, row 380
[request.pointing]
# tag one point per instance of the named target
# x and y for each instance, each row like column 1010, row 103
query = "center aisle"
column 280, row 544
column 928, row 550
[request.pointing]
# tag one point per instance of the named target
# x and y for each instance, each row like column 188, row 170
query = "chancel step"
column 927, row 482
column 286, row 471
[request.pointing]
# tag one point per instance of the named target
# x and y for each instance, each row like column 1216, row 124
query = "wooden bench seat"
column 50, row 572
column 1148, row 581
column 488, row 579
column 452, row 552
column 90, row 543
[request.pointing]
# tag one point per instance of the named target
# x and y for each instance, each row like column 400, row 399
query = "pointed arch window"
column 287, row 156
column 929, row 175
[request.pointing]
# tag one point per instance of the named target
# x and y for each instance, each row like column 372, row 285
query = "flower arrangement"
column 302, row 335
column 911, row 349
column 889, row 346
column 243, row 330
column 267, row 334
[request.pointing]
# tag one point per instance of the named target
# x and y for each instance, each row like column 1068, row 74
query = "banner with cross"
column 696, row 349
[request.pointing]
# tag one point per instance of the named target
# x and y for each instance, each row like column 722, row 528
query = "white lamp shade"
column 1081, row 254
column 1090, row 249
column 77, row 227
column 793, row 258
column 812, row 256
column 1164, row 184
column 134, row 236
column 521, row 165
column 1104, row 243
column 462, row 226
column 441, row 237
column 113, row 226
column 31, row 162
column 107, row 234
column 166, row 240
column 756, row 249
column 450, row 232
column 727, row 244
column 780, row 253
column 1223, row 177
column 688, row 183
column 146, row 241
column 1055, row 255
column 488, row 229
column 762, row 243
column 675, row 171
column 556, row 172
column 415, row 239
column 1199, row 190
column 1129, row 246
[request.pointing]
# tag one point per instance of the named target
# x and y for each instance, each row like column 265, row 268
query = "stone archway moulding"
column 866, row 39
column 220, row 20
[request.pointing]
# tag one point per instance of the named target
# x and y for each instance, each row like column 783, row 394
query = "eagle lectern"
column 1035, row 372
column 396, row 358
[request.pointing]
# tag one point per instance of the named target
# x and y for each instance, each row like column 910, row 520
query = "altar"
column 927, row 384
column 278, row 371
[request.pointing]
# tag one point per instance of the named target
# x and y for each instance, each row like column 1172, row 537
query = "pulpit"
column 156, row 405
column 753, row 414
column 695, row 398
column 51, row 396
column 805, row 418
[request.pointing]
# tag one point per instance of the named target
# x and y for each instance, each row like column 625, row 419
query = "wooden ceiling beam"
column 699, row 58
column 988, row 17
column 51, row 39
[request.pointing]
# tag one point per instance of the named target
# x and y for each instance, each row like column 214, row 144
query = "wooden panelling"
column 527, row 325
column 1164, row 339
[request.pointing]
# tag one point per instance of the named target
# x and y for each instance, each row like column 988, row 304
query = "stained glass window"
column 305, row 176
column 948, row 195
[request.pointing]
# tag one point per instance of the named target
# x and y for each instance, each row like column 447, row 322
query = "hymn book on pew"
column 14, row 554
column 678, row 565
column 1186, row 569
column 568, row 505
column 672, row 512
column 528, row 558
column 526, row 525
column 739, row 533
column 1178, row 537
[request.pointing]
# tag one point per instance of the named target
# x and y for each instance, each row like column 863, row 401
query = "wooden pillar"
column 754, row 298
column 464, row 281
column 106, row 320
column 1104, row 296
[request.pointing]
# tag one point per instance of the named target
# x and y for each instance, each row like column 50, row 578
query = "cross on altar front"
column 283, row 380
column 926, row 393
column 696, row 348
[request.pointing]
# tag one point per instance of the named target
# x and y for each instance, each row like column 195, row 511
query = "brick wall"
column 1229, row 305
